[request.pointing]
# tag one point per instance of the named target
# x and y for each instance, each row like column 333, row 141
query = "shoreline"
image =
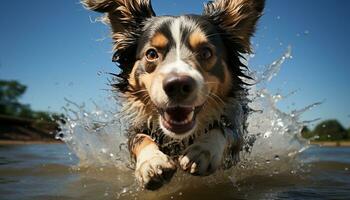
column 16, row 130
column 24, row 142
column 331, row 143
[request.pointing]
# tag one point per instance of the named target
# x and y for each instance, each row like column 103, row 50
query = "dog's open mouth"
column 179, row 119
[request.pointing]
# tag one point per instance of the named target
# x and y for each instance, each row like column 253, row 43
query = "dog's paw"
column 155, row 171
column 200, row 159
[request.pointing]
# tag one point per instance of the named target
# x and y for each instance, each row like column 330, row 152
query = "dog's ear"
column 237, row 18
column 126, row 18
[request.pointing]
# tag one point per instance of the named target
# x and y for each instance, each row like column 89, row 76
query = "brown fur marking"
column 139, row 142
column 159, row 41
column 196, row 39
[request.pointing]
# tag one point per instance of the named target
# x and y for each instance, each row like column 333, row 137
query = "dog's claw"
column 155, row 172
column 198, row 161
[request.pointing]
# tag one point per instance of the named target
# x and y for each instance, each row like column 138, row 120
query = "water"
column 278, row 163
column 46, row 172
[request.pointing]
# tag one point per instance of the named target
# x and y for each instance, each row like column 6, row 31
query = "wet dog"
column 183, row 83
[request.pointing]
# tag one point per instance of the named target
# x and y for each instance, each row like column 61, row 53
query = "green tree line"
column 10, row 94
column 328, row 130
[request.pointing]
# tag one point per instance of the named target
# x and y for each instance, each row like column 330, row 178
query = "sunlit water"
column 39, row 172
column 96, row 163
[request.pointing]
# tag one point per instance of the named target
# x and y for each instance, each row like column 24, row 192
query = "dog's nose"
column 179, row 86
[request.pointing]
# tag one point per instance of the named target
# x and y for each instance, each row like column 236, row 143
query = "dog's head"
column 180, row 69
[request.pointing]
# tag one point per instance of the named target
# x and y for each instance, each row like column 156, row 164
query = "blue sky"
column 55, row 49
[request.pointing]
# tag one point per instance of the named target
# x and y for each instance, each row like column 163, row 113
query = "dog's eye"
column 205, row 53
column 151, row 55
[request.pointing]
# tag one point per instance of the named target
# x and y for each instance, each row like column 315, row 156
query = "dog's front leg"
column 153, row 167
column 205, row 156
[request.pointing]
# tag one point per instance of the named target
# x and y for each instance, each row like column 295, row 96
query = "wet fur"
column 227, row 26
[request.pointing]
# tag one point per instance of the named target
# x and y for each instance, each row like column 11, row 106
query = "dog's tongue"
column 179, row 113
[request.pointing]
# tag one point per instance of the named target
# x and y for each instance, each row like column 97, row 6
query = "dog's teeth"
column 174, row 122
column 178, row 123
column 190, row 116
column 188, row 119
column 167, row 117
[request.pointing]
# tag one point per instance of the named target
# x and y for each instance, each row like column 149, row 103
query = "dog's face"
column 180, row 63
column 181, row 69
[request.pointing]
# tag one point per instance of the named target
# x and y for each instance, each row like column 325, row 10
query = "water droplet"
column 346, row 169
column 268, row 161
column 124, row 190
column 180, row 193
column 277, row 157
column 267, row 134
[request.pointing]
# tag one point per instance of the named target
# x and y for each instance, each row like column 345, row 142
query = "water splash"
column 97, row 137
column 276, row 134
column 273, row 69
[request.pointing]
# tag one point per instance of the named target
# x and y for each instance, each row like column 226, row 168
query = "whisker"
column 216, row 96
column 137, row 92
column 210, row 83
column 215, row 34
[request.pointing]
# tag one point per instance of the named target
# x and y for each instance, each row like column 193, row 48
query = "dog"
column 183, row 83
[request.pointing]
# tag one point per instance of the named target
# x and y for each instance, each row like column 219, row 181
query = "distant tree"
column 42, row 116
column 330, row 130
column 307, row 133
column 10, row 92
column 25, row 112
column 348, row 134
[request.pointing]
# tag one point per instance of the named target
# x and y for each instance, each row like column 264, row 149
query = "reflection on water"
column 46, row 172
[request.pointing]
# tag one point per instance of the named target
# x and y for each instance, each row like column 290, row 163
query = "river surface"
column 49, row 171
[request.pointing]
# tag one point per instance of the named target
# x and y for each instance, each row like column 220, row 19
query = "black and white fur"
column 181, row 77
